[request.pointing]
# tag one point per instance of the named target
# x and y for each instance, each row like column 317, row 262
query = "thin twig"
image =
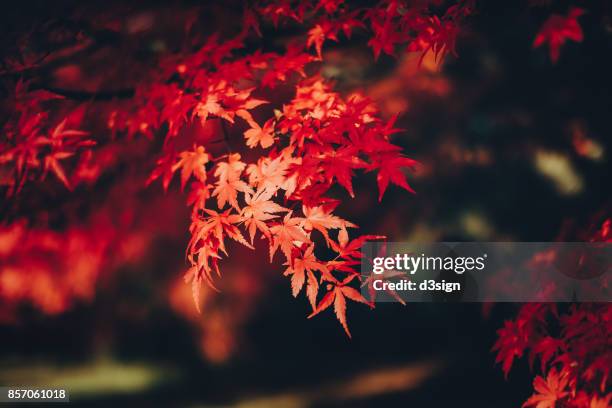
column 91, row 96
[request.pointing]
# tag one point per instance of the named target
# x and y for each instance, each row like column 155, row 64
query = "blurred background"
column 512, row 148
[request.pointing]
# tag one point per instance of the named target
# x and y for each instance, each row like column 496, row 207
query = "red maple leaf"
column 192, row 162
column 338, row 296
column 318, row 34
column 389, row 168
column 557, row 29
column 164, row 169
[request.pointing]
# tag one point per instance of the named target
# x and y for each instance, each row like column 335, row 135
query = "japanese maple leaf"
column 339, row 164
column 321, row 220
column 203, row 260
column 227, row 192
column 338, row 296
column 284, row 234
column 258, row 209
column 390, row 167
column 511, row 343
column 387, row 276
column 52, row 163
column 546, row 348
column 385, row 35
column 436, row 35
column 231, row 169
column 209, row 106
column 548, row 391
column 270, row 173
column 195, row 277
column 207, row 254
column 294, row 60
column 349, row 22
column 229, row 182
column 238, row 102
column 317, row 36
column 249, row 103
column 61, row 135
column 352, row 249
column 281, row 8
column 384, row 41
column 63, row 143
column 224, row 101
column 557, row 29
column 176, row 106
column 163, row 169
column 257, row 135
column 218, row 225
column 298, row 269
column 192, row 162
column 329, row 6
column 198, row 194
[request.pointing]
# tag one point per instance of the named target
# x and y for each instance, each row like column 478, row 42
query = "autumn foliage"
column 263, row 171
column 313, row 141
column 572, row 348
column 571, row 345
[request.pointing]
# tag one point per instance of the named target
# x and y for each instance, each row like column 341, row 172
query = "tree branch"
column 91, row 96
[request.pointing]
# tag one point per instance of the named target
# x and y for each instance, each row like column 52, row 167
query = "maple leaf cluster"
column 49, row 269
column 417, row 28
column 319, row 139
column 41, row 135
column 574, row 349
column 394, row 25
column 575, row 359
column 316, row 140
column 313, row 142
column 52, row 268
column 36, row 140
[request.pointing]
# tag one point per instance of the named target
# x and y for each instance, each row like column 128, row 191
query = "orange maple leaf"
column 192, row 162
column 218, row 225
column 548, row 391
column 317, row 36
column 258, row 209
column 270, row 174
column 210, row 105
column 284, row 234
column 258, row 135
column 299, row 268
column 321, row 220
column 229, row 182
